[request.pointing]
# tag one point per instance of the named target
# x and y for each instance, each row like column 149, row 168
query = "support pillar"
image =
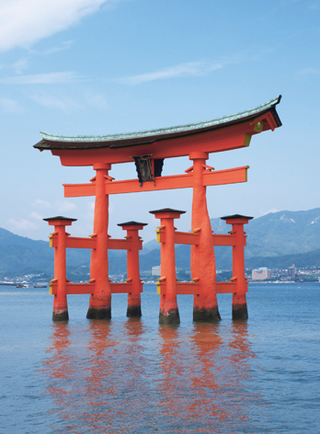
column 133, row 269
column 205, row 306
column 239, row 300
column 60, row 305
column 169, row 313
column 100, row 301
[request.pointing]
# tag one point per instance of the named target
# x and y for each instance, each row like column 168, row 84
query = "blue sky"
column 100, row 67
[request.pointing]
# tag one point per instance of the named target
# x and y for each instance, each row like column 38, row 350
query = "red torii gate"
column 148, row 149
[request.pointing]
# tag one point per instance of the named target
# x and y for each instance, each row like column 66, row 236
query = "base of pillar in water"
column 170, row 317
column 60, row 316
column 134, row 312
column 101, row 313
column 206, row 315
column 240, row 312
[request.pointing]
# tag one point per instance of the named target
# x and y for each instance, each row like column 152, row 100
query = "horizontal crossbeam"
column 179, row 237
column 219, row 177
column 88, row 288
column 190, row 238
column 90, row 243
column 184, row 288
column 223, row 240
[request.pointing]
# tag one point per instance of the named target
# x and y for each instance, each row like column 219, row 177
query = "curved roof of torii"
column 113, row 141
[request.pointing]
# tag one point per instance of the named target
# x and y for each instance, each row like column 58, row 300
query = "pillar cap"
column 65, row 221
column 167, row 213
column 164, row 210
column 236, row 218
column 132, row 223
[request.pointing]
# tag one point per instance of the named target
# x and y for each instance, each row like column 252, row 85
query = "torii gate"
column 148, row 149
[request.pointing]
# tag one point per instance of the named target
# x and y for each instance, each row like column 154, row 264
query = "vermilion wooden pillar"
column 205, row 307
column 100, row 301
column 133, row 269
column 239, row 301
column 60, row 305
column 169, row 313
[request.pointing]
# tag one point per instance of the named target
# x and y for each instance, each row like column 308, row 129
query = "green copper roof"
column 148, row 136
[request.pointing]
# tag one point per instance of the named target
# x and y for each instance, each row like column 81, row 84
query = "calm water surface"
column 134, row 376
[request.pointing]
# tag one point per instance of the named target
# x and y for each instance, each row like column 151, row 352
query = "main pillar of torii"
column 148, row 150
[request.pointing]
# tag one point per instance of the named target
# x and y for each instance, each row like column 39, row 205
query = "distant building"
column 292, row 272
column 156, row 271
column 261, row 273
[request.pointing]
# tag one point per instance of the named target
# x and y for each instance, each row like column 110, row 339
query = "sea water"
column 134, row 376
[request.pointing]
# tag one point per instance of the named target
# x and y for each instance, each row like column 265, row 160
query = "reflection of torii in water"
column 149, row 149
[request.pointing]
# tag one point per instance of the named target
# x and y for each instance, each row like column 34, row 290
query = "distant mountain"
column 280, row 233
column 149, row 246
column 276, row 240
column 22, row 255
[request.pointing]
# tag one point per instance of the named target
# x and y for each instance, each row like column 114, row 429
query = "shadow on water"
column 127, row 377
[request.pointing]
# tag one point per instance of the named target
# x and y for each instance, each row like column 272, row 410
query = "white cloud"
column 20, row 65
column 22, row 224
column 89, row 214
column 8, row 105
column 39, row 203
column 36, row 216
column 308, row 71
column 65, row 206
column 90, row 206
column 48, row 78
column 51, row 101
column 182, row 70
column 96, row 100
column 24, row 22
column 67, row 104
column 64, row 46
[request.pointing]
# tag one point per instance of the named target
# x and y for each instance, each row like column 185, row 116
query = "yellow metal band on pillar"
column 247, row 138
column 50, row 240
